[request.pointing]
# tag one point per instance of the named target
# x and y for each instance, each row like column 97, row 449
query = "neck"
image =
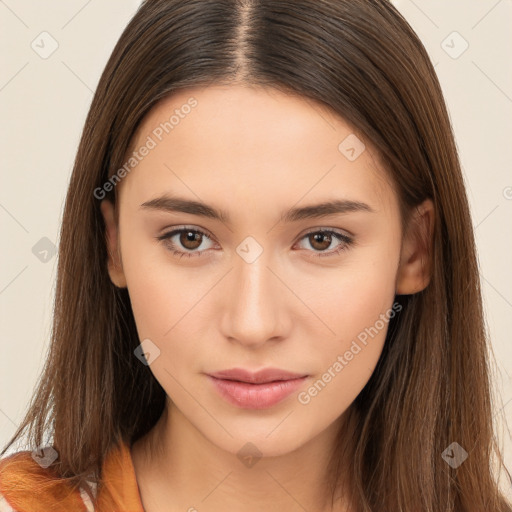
column 176, row 466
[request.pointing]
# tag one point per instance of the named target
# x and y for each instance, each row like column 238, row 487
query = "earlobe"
column 415, row 266
column 115, row 267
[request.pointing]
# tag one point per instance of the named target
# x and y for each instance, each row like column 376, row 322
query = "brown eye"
column 320, row 241
column 190, row 239
column 186, row 242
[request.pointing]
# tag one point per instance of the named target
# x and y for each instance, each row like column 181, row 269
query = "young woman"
column 268, row 295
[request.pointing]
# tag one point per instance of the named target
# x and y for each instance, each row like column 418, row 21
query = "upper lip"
column 261, row 376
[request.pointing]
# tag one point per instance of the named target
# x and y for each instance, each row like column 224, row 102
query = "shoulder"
column 27, row 486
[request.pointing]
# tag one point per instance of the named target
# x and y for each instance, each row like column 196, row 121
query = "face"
column 261, row 276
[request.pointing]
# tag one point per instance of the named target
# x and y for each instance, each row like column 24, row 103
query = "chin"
column 266, row 441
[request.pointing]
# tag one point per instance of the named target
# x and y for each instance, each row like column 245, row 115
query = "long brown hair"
column 432, row 385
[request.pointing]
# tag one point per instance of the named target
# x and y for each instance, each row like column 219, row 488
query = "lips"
column 259, row 377
column 256, row 390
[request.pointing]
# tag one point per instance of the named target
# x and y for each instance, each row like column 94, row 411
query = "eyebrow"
column 177, row 204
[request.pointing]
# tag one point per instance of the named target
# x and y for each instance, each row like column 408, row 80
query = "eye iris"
column 188, row 238
column 319, row 237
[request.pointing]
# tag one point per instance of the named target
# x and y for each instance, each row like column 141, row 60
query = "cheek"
column 169, row 317
column 163, row 307
column 350, row 298
column 161, row 293
column 356, row 303
column 168, row 302
column 346, row 361
column 154, row 298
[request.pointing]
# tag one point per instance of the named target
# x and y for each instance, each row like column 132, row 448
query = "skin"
column 256, row 153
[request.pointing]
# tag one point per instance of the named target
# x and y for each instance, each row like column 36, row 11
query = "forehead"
column 259, row 143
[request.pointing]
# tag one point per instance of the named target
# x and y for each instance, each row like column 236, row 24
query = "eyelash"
column 346, row 242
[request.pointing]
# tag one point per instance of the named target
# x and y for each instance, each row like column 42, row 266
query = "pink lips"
column 256, row 390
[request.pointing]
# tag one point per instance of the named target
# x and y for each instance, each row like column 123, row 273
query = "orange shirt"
column 25, row 486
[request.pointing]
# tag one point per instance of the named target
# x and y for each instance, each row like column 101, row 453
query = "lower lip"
column 256, row 396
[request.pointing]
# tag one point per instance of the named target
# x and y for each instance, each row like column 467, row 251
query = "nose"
column 255, row 304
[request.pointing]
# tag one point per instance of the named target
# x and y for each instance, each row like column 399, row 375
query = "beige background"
column 44, row 99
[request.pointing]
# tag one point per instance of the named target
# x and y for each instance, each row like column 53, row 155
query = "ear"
column 414, row 271
column 115, row 266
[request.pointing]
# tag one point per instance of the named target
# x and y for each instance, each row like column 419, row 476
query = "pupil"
column 322, row 237
column 189, row 239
